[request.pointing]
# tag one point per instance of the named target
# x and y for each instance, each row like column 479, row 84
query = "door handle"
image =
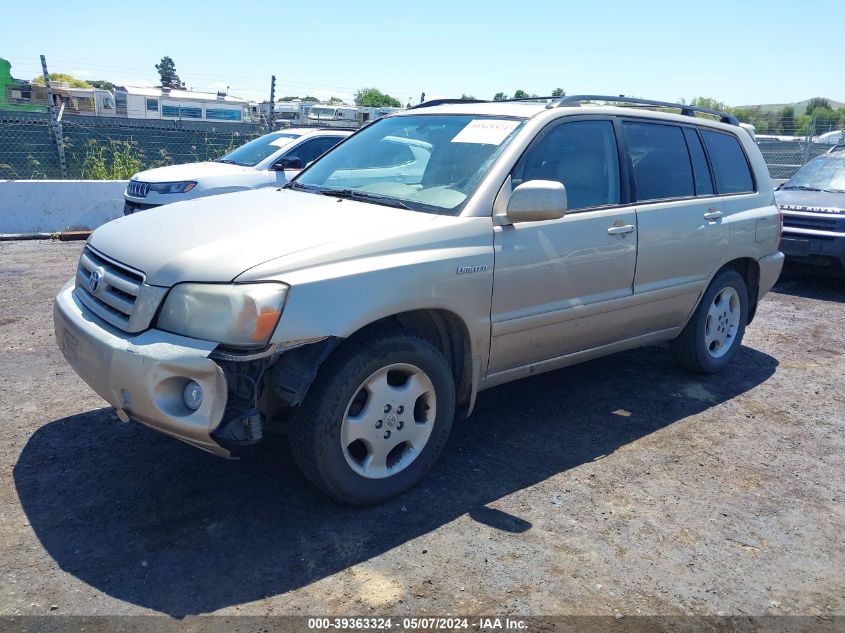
column 621, row 230
column 713, row 214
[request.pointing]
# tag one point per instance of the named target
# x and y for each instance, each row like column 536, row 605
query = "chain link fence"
column 790, row 140
column 784, row 158
column 103, row 148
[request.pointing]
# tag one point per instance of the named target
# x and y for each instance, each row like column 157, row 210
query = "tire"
column 713, row 335
column 339, row 434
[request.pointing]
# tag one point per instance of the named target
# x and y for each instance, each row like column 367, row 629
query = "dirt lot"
column 622, row 486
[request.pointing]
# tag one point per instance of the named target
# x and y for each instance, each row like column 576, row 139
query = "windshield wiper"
column 364, row 196
column 226, row 160
column 834, row 190
column 801, row 187
column 292, row 184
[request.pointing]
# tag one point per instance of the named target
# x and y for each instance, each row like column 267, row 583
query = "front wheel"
column 376, row 418
column 714, row 333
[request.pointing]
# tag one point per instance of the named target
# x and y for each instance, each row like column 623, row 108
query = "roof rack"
column 836, row 148
column 686, row 110
column 574, row 100
column 437, row 102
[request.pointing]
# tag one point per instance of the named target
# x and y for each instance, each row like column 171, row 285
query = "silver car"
column 439, row 251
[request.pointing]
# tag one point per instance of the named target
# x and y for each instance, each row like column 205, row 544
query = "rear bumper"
column 143, row 375
column 770, row 268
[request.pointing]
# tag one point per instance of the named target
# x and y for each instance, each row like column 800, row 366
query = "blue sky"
column 740, row 51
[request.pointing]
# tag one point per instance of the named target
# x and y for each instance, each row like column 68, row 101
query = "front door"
column 556, row 281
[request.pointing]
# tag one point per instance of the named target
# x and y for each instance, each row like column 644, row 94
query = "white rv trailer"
column 333, row 114
column 171, row 104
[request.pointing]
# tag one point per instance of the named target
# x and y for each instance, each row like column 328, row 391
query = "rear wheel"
column 714, row 333
column 376, row 418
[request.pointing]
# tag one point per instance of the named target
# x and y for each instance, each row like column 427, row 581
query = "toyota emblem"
column 95, row 279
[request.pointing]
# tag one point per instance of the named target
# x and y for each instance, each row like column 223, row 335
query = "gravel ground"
column 620, row 486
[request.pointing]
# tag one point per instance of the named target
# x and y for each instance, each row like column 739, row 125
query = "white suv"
column 270, row 160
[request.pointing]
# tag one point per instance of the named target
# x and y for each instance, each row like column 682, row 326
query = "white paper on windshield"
column 486, row 131
column 281, row 141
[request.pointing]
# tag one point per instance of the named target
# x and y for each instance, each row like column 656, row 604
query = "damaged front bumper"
column 143, row 376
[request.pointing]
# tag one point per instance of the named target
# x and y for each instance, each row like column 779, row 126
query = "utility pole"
column 54, row 118
column 272, row 102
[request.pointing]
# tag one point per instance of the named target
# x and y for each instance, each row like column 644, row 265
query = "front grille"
column 113, row 293
column 138, row 189
column 808, row 222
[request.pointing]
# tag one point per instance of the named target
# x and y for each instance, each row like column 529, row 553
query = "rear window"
column 730, row 166
column 661, row 162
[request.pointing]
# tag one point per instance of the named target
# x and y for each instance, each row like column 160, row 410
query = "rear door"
column 682, row 233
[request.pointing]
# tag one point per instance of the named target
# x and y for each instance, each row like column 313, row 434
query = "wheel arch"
column 295, row 371
column 749, row 269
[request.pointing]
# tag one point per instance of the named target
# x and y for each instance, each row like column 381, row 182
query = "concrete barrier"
column 55, row 205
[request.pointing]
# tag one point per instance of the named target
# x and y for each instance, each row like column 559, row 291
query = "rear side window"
column 703, row 182
column 661, row 162
column 729, row 164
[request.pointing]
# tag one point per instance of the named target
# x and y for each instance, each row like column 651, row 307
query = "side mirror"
column 537, row 200
column 288, row 162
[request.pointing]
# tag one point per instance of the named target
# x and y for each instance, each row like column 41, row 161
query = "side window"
column 661, row 162
column 582, row 155
column 703, row 182
column 309, row 150
column 729, row 164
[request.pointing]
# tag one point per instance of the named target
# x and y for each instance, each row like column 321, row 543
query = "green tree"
column 787, row 120
column 63, row 78
column 825, row 120
column 558, row 92
column 520, row 94
column 167, row 73
column 500, row 96
column 305, row 98
column 375, row 98
column 102, row 84
column 466, row 97
column 817, row 102
column 335, row 100
column 708, row 102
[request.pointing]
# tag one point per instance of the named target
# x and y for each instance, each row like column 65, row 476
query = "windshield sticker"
column 485, row 131
column 281, row 141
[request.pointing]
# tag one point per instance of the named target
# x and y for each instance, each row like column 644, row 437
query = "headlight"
column 242, row 315
column 172, row 187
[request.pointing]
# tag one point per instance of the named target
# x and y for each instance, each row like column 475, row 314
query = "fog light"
column 192, row 395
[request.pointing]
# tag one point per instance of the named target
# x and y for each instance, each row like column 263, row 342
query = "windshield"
column 823, row 173
column 252, row 153
column 422, row 162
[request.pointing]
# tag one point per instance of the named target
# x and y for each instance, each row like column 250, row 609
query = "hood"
column 810, row 201
column 190, row 171
column 219, row 237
